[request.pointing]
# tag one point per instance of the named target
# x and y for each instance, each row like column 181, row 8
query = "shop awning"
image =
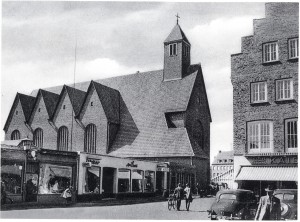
column 268, row 173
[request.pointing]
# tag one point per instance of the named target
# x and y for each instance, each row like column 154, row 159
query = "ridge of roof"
column 176, row 34
column 27, row 103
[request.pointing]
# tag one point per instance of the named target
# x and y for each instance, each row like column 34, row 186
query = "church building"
column 160, row 117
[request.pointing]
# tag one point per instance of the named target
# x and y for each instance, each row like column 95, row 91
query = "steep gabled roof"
column 50, row 100
column 144, row 98
column 27, row 103
column 176, row 34
column 109, row 98
column 76, row 97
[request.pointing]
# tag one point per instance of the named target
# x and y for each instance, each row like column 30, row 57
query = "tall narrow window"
column 260, row 136
column 284, row 89
column 38, row 137
column 63, row 138
column 258, row 92
column 291, row 135
column 15, row 135
column 270, row 52
column 90, row 137
column 173, row 49
column 293, row 48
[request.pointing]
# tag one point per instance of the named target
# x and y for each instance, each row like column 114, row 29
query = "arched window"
column 90, row 136
column 63, row 138
column 15, row 135
column 38, row 137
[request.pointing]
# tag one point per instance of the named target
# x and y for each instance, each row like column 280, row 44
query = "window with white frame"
column 270, row 52
column 258, row 92
column 291, row 134
column 173, row 49
column 293, row 48
column 284, row 89
column 260, row 136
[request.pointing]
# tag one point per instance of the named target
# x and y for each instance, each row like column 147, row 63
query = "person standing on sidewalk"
column 178, row 192
column 188, row 196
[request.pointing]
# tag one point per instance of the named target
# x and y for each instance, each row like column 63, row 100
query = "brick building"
column 159, row 116
column 265, row 101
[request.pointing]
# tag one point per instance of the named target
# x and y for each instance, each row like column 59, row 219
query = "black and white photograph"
column 149, row 110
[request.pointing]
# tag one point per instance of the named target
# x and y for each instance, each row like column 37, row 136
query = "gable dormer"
column 176, row 54
column 44, row 106
column 20, row 111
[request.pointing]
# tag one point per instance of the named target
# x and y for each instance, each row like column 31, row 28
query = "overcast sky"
column 119, row 38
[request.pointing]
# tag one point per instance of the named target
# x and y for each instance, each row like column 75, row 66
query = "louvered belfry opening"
column 38, row 137
column 15, row 135
column 63, row 138
column 90, row 137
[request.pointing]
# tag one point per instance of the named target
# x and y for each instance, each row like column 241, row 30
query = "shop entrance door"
column 31, row 182
column 108, row 182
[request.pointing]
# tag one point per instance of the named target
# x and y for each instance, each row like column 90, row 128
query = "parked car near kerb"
column 288, row 201
column 233, row 205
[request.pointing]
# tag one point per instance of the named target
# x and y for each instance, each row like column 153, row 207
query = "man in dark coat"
column 178, row 192
column 269, row 207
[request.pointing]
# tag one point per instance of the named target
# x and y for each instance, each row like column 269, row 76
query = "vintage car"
column 233, row 205
column 288, row 201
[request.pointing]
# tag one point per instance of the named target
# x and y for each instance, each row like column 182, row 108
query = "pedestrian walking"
column 269, row 206
column 178, row 192
column 188, row 196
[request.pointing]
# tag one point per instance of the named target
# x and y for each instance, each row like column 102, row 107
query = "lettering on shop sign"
column 93, row 161
column 163, row 169
column 131, row 164
column 275, row 160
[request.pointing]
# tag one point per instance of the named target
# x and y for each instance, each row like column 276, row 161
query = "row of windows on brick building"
column 271, row 52
column 63, row 140
column 283, row 91
column 260, row 136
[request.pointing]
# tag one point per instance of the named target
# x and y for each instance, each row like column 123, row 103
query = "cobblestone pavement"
column 153, row 210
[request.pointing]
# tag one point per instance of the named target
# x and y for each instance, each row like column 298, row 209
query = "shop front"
column 280, row 171
column 103, row 176
column 13, row 158
column 183, row 174
column 37, row 175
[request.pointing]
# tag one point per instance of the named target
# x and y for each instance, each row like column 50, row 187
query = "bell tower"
column 176, row 54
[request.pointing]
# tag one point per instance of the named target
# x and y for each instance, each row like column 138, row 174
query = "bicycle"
column 171, row 202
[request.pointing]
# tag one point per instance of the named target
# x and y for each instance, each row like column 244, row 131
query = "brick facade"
column 280, row 24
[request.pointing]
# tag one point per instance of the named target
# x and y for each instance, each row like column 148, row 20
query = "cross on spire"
column 177, row 17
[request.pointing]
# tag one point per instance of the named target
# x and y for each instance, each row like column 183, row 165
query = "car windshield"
column 227, row 196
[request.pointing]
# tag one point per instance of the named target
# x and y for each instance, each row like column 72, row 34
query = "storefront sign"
column 93, row 161
column 131, row 164
column 163, row 169
column 273, row 160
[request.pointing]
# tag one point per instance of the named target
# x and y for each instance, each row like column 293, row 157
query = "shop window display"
column 137, row 180
column 124, row 180
column 149, row 181
column 54, row 178
column 11, row 176
column 92, row 180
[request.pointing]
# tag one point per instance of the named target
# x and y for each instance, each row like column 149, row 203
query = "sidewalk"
column 103, row 202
